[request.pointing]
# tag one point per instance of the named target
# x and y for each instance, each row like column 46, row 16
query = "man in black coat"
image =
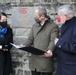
column 66, row 44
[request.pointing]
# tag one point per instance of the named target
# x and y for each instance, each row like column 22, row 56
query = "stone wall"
column 21, row 24
column 21, row 19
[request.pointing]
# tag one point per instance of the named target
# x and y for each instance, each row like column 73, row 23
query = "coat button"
column 59, row 46
column 61, row 39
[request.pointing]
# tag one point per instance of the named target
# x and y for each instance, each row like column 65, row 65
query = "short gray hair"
column 41, row 11
column 67, row 10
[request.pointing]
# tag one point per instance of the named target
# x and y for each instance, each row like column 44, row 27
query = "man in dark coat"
column 66, row 44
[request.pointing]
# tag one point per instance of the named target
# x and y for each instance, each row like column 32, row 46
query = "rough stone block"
column 22, row 16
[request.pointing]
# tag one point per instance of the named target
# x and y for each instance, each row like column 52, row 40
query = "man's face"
column 37, row 17
column 36, row 14
column 61, row 18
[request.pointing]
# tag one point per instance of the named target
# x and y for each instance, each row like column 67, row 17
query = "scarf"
column 2, row 32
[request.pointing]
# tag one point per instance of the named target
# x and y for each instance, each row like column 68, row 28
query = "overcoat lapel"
column 39, row 28
column 68, row 24
column 64, row 29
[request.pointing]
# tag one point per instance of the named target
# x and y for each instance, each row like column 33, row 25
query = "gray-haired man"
column 66, row 44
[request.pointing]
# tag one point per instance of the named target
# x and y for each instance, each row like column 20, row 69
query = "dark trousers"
column 1, row 62
column 3, row 69
column 40, row 73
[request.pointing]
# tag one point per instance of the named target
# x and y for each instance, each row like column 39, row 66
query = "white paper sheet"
column 16, row 46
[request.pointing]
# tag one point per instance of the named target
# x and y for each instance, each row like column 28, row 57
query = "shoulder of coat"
column 52, row 24
column 9, row 29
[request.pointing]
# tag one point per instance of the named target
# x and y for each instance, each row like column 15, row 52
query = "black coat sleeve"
column 8, row 39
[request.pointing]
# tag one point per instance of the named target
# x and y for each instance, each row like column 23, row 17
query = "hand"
column 56, row 40
column 21, row 45
column 5, row 49
column 48, row 53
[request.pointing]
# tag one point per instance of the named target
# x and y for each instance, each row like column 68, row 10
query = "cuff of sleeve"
column 0, row 46
column 58, row 45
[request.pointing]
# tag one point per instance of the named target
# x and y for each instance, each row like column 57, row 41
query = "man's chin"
column 61, row 23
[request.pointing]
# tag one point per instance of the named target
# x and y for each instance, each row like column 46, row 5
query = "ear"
column 67, row 17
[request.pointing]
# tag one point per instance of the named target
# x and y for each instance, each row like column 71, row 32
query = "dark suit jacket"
column 67, row 49
column 5, row 57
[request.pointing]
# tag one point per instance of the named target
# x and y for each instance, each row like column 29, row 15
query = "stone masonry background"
column 21, row 18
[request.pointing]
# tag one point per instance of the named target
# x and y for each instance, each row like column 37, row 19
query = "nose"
column 59, row 19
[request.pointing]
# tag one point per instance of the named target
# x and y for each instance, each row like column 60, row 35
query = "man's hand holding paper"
column 48, row 53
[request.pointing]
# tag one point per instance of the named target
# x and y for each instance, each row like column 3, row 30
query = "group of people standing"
column 45, row 36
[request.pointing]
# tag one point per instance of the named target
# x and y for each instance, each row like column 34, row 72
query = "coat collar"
column 38, row 24
column 67, row 24
column 39, row 27
column 70, row 21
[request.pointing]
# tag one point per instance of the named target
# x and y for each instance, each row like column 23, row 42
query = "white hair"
column 66, row 10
